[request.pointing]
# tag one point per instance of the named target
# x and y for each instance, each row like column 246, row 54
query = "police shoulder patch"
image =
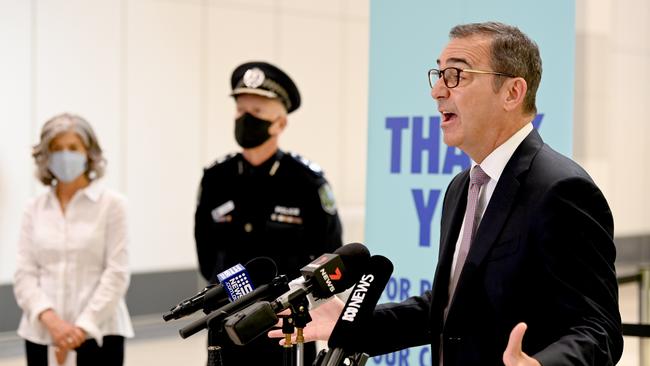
column 327, row 199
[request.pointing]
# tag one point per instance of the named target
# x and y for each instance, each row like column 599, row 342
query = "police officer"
column 263, row 201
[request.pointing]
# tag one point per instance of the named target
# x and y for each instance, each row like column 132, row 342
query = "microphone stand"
column 214, row 349
column 301, row 317
column 287, row 329
column 296, row 321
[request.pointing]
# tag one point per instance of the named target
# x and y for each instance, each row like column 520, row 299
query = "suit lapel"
column 501, row 203
column 455, row 205
column 453, row 212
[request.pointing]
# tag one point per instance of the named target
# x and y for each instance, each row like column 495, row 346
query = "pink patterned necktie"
column 472, row 218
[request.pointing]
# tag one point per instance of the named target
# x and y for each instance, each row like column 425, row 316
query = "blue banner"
column 409, row 166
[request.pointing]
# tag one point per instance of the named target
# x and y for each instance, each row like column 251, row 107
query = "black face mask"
column 251, row 131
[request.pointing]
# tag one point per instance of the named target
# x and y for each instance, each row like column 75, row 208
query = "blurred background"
column 153, row 78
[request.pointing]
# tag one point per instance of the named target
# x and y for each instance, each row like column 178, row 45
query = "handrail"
column 636, row 330
column 641, row 330
column 622, row 280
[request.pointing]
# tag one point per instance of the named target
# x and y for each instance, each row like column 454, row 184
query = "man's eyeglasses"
column 451, row 75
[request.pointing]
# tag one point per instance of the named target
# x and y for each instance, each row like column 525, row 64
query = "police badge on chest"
column 288, row 215
column 221, row 213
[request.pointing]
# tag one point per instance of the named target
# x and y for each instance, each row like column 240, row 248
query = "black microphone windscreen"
column 261, row 270
column 355, row 258
column 361, row 304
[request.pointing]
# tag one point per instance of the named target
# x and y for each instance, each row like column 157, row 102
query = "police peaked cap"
column 262, row 78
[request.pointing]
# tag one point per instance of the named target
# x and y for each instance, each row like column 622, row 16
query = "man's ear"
column 515, row 93
column 278, row 125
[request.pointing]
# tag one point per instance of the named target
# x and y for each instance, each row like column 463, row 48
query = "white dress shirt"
column 493, row 166
column 74, row 263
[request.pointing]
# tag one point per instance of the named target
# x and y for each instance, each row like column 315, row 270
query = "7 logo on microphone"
column 327, row 271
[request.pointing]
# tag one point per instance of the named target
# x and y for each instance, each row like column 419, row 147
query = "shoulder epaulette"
column 222, row 160
column 313, row 167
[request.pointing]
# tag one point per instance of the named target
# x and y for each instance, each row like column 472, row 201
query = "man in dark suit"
column 526, row 241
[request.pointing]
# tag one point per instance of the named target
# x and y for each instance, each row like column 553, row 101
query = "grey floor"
column 158, row 344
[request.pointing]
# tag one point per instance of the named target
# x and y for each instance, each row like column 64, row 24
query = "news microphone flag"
column 236, row 281
column 358, row 311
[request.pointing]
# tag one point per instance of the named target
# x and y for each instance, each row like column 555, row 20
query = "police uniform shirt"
column 283, row 209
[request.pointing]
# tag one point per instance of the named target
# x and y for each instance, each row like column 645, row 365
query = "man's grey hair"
column 511, row 52
column 56, row 126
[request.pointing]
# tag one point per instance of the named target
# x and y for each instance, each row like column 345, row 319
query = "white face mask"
column 67, row 165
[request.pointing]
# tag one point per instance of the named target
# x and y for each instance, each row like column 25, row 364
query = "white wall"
column 612, row 124
column 152, row 76
column 16, row 125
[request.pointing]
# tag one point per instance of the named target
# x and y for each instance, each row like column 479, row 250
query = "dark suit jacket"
column 543, row 254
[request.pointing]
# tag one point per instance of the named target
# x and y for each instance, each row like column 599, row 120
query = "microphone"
column 267, row 291
column 327, row 275
column 188, row 306
column 352, row 256
column 234, row 283
column 343, row 341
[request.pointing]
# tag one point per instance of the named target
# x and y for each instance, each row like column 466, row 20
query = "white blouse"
column 74, row 263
